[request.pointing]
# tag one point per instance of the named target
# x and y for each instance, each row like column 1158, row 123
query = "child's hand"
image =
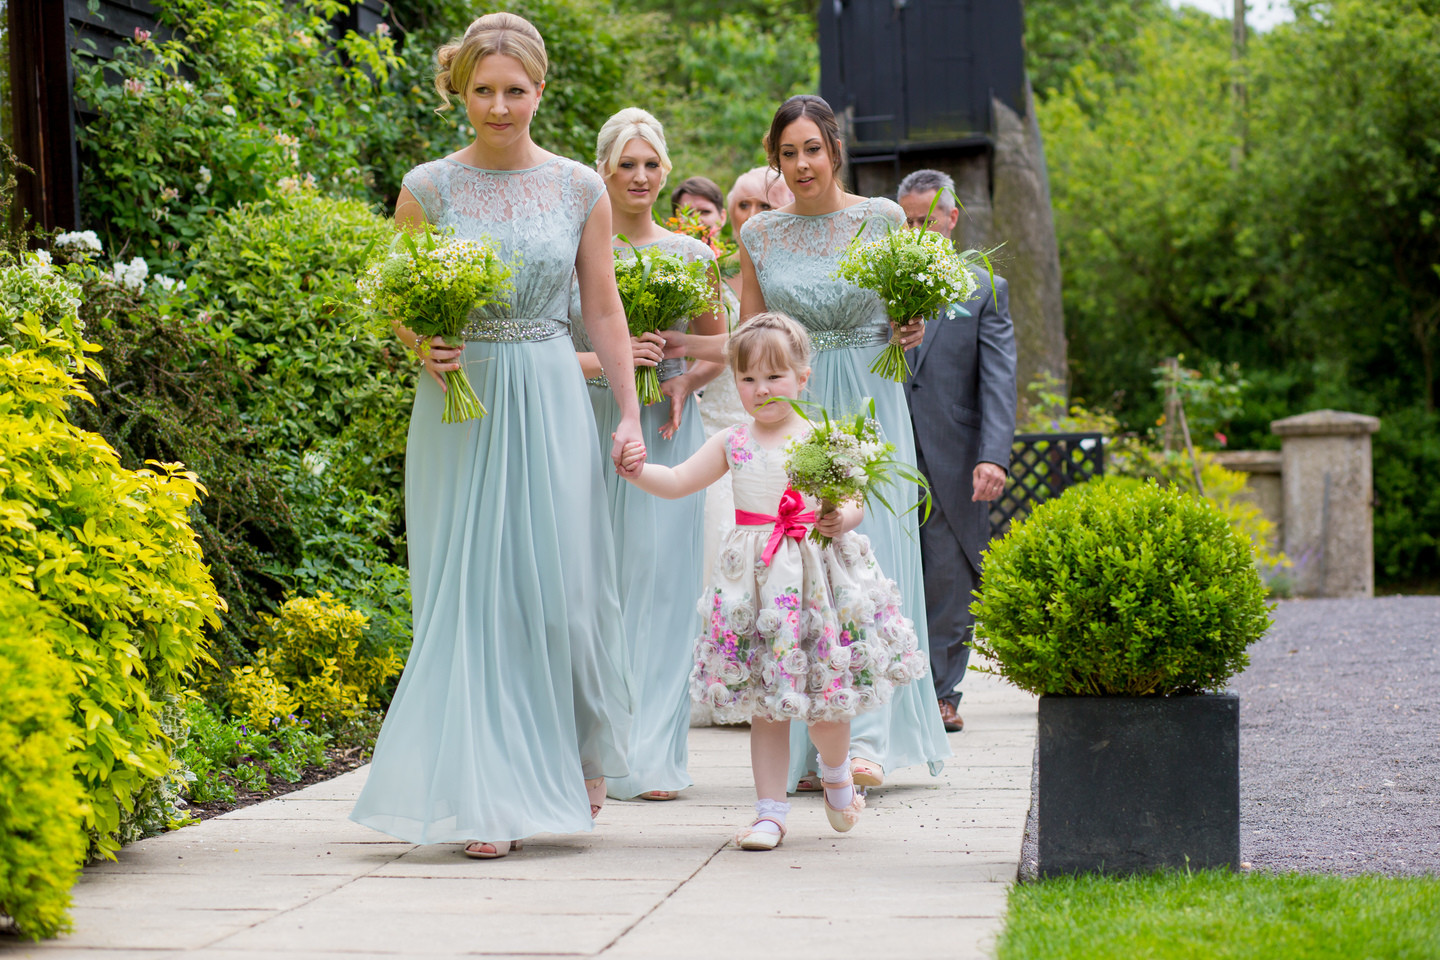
column 674, row 344
column 839, row 521
column 632, row 456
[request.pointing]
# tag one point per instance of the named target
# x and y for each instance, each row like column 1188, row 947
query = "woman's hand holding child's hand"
column 838, row 521
column 632, row 457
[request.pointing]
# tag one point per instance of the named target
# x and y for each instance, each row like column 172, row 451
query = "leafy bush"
column 312, row 665
column 222, row 753
column 42, row 833
column 1120, row 588
column 109, row 550
column 274, row 101
column 1140, row 457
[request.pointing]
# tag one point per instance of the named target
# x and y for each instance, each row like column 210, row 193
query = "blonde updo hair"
column 630, row 124
column 762, row 182
column 495, row 33
column 771, row 338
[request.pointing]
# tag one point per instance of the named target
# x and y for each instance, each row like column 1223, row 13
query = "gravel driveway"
column 1340, row 738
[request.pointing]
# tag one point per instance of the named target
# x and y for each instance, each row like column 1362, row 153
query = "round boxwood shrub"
column 1120, row 588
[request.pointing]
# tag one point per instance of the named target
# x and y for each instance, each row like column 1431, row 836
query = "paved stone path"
column 924, row 874
column 1340, row 738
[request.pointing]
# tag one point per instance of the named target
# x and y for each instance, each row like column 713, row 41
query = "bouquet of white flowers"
column 847, row 460
column 657, row 290
column 430, row 283
column 915, row 272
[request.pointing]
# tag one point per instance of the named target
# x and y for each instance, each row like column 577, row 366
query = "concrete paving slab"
column 925, row 872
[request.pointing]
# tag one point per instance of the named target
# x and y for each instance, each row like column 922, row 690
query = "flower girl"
column 794, row 630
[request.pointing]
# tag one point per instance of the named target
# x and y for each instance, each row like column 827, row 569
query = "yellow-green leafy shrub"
column 312, row 664
column 42, row 837
column 109, row 551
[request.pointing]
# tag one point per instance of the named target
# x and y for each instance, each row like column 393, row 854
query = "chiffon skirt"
column 660, row 570
column 515, row 690
column 907, row 730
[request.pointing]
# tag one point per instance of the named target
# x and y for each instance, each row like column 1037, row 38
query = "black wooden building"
column 916, row 79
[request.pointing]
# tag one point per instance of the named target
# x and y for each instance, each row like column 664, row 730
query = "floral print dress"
column 814, row 634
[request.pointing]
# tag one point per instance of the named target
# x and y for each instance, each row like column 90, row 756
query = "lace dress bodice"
column 536, row 215
column 795, row 258
column 757, row 474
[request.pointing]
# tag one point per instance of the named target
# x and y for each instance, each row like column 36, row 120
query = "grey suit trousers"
column 949, row 579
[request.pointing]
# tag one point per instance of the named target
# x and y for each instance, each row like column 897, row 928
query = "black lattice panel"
column 1042, row 466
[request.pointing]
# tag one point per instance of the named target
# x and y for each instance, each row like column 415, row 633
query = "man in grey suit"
column 962, row 405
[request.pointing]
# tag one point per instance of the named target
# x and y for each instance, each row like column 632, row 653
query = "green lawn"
column 1219, row 915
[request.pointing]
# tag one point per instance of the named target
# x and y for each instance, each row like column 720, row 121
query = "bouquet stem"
column 647, row 386
column 461, row 403
column 891, row 363
column 826, row 506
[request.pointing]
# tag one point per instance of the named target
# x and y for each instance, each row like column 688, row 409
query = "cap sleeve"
column 423, row 182
column 752, row 236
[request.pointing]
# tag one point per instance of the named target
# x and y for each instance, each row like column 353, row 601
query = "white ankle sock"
column 773, row 811
column 838, row 797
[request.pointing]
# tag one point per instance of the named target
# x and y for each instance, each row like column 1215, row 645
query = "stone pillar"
column 1328, row 502
column 1263, row 486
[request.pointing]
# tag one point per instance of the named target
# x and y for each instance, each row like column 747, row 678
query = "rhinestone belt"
column 840, row 339
column 665, row 370
column 514, row 329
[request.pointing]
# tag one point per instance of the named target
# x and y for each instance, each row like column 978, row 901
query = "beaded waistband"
column 665, row 370
column 514, row 329
column 840, row 339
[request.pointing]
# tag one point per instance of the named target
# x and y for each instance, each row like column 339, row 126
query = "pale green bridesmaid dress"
column 515, row 690
column 659, row 564
column 795, row 257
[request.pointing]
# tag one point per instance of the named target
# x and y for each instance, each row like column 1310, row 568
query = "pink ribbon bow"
column 790, row 521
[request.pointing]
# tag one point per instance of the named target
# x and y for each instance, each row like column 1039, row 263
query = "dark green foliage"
column 1301, row 244
column 1407, row 513
column 223, row 754
column 1120, row 588
column 42, row 833
column 1061, row 34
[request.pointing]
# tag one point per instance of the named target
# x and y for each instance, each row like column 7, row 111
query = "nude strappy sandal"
column 498, row 848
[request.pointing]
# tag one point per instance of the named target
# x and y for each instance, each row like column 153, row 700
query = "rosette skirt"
column 515, row 690
column 815, row 635
column 659, row 569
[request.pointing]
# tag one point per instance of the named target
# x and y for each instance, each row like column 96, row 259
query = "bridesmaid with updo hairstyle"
column 788, row 260
column 657, row 560
column 515, row 703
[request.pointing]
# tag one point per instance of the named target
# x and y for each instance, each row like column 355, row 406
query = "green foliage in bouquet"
column 313, row 667
column 109, row 551
column 430, row 282
column 848, row 460
column 223, row 753
column 660, row 291
column 1120, row 587
column 42, row 833
column 915, row 273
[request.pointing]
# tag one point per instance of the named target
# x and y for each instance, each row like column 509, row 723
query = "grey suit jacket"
column 962, row 404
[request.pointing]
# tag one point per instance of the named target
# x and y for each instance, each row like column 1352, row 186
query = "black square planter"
column 1130, row 784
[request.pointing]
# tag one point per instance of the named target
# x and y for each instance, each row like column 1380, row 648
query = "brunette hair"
column 819, row 112
column 770, row 337
column 630, row 124
column 495, row 33
column 697, row 187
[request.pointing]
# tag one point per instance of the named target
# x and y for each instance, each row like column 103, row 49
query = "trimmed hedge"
column 1120, row 588
column 42, row 839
